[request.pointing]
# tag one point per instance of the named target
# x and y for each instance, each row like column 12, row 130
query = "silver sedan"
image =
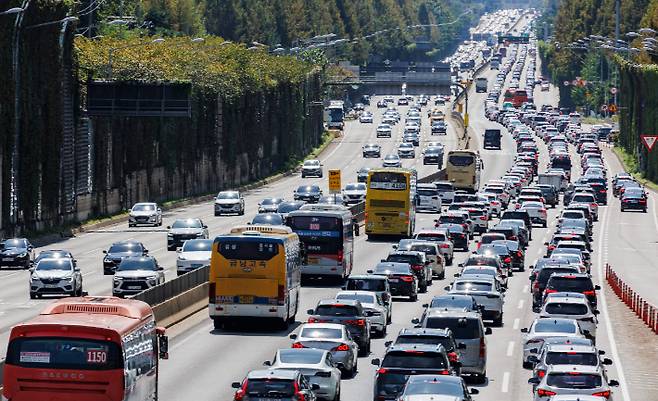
column 315, row 364
column 331, row 337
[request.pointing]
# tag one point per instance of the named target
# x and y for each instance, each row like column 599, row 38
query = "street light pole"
column 465, row 91
column 617, row 18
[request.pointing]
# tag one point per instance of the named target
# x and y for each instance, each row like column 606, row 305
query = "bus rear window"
column 314, row 223
column 248, row 250
column 388, row 180
column 461, row 161
column 64, row 353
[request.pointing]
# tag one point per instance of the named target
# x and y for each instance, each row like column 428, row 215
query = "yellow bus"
column 463, row 169
column 255, row 273
column 390, row 202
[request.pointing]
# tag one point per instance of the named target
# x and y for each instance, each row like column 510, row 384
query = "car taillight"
column 417, row 267
column 340, row 255
column 549, row 291
column 443, row 372
column 589, row 293
column 313, row 320
column 479, row 245
column 281, row 295
column 298, row 345
column 519, row 254
column 342, row 347
column 551, row 247
column 593, row 204
column 357, row 322
column 444, row 246
column 483, row 348
column 483, row 217
column 300, row 396
column 407, row 279
column 542, row 211
column 545, row 393
column 465, row 225
column 643, row 201
column 604, row 394
column 513, row 238
column 211, row 293
column 602, row 191
column 239, row 395
column 508, row 260
column 541, row 373
column 382, row 371
column 453, row 356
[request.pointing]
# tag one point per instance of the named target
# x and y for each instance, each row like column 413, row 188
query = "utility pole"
column 617, row 18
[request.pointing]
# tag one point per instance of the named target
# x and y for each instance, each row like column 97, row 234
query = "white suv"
column 145, row 213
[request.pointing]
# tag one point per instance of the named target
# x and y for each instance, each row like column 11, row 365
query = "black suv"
column 16, row 252
column 418, row 264
column 404, row 360
column 401, row 278
column 347, row 312
column 120, row 250
column 424, row 336
column 573, row 282
column 541, row 273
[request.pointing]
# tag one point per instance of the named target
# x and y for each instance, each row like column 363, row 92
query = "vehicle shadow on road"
column 255, row 328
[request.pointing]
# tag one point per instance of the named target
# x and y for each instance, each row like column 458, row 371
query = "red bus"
column 85, row 349
column 520, row 97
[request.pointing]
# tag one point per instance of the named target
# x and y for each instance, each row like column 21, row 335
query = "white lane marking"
column 89, row 273
column 510, row 348
column 521, row 303
column 516, row 324
column 505, row 387
column 526, row 288
column 608, row 325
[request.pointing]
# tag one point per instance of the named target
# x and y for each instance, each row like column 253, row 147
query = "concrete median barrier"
column 181, row 306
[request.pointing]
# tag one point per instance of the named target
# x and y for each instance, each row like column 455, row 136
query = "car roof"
column 349, row 302
column 571, row 348
column 356, row 292
column 441, row 312
column 423, row 332
column 416, row 347
column 574, row 368
column 281, row 374
column 368, row 276
column 571, row 275
column 323, row 326
column 566, row 300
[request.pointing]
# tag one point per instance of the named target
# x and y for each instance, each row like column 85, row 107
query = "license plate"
column 246, row 299
column 50, row 285
column 393, row 280
column 313, row 260
column 7, row 259
column 134, row 287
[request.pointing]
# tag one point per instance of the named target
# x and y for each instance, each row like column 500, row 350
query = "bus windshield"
column 64, row 353
column 388, row 181
column 248, row 250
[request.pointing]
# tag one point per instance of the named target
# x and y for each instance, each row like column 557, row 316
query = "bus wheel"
column 218, row 324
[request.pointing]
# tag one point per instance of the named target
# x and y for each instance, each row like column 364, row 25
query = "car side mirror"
column 461, row 265
column 146, row 251
column 383, row 260
column 236, row 385
column 597, row 287
column 76, row 268
column 104, row 251
column 369, row 271
column 601, row 352
column 456, row 275
column 159, row 210
column 160, row 268
column 461, row 346
column 415, row 320
column 447, row 288
column 596, row 311
column 168, row 227
column 267, row 363
column 425, row 305
column 524, row 330
column 488, row 331
column 205, row 226
column 388, row 343
column 310, row 311
column 375, row 361
column 613, row 383
column 473, row 391
column 533, row 380
column 427, row 263
column 31, row 269
column 293, row 336
column 607, row 361
column 533, row 359
column 395, row 246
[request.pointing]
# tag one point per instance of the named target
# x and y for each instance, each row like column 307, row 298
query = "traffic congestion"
column 436, row 272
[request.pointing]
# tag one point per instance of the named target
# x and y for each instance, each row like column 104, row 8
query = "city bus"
column 390, row 202
column 463, row 169
column 327, row 236
column 255, row 273
column 86, row 349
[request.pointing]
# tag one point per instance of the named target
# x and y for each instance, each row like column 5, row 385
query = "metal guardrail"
column 359, row 211
column 172, row 288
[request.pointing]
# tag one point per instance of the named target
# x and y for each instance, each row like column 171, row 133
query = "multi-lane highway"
column 204, row 362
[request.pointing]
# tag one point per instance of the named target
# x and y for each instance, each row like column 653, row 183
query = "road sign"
column 567, row 83
column 613, row 90
column 334, row 181
column 574, row 82
column 649, row 141
column 612, row 108
column 604, row 107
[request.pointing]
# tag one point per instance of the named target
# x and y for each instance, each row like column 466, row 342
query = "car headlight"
column 69, row 279
column 34, row 279
column 199, row 234
column 22, row 255
column 170, row 235
column 117, row 279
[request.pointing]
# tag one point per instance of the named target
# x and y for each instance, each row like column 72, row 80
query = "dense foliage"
column 226, row 69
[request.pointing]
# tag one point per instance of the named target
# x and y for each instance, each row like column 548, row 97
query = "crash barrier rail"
column 438, row 176
column 169, row 289
column 647, row 312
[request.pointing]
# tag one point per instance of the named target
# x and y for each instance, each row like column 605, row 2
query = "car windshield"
column 137, row 264
column 228, row 195
column 305, row 356
column 355, row 187
column 312, row 163
column 438, row 237
column 143, row 208
column 311, row 188
column 270, row 201
column 269, row 387
column 414, row 360
column 363, row 298
column 321, row 332
column 391, row 157
column 187, row 223
column 267, row 218
column 462, row 328
column 125, row 248
column 452, row 388
column 554, row 326
column 472, row 286
column 559, row 308
column 572, row 358
column 14, row 243
column 573, row 380
column 476, row 270
column 366, row 284
column 54, row 264
column 198, row 245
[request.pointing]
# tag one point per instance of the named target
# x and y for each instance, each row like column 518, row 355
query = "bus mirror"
column 163, row 345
